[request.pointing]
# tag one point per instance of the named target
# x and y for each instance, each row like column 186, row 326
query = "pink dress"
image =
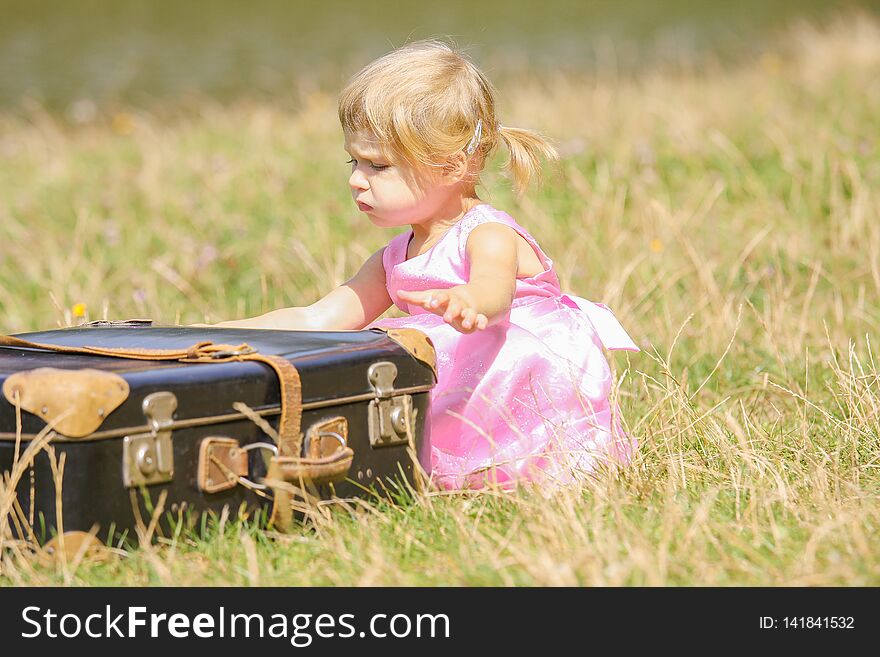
column 526, row 398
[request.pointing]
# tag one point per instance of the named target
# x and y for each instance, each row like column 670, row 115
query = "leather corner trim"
column 417, row 343
column 77, row 401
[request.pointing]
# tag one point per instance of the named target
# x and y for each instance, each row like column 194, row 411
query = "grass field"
column 729, row 215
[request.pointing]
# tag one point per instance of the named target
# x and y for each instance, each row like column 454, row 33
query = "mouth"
column 363, row 207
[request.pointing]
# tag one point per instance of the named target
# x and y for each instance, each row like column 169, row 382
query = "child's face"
column 391, row 193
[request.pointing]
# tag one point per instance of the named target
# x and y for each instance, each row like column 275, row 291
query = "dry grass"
column 730, row 217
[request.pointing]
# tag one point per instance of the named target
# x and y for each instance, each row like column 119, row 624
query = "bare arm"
column 491, row 251
column 352, row 305
column 486, row 297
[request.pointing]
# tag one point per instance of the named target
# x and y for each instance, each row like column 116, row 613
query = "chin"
column 380, row 221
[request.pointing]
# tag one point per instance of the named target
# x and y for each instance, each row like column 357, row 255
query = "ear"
column 455, row 169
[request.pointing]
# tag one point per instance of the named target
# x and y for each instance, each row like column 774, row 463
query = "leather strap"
column 119, row 352
column 289, row 432
column 286, row 475
column 289, row 465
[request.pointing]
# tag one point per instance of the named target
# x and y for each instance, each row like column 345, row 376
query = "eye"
column 373, row 166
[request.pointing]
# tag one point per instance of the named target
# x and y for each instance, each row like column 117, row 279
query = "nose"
column 357, row 180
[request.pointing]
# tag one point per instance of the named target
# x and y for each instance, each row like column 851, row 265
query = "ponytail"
column 526, row 148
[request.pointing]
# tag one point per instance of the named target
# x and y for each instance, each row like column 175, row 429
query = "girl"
column 523, row 385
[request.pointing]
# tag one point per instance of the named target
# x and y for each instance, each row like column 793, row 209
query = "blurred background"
column 73, row 54
column 182, row 160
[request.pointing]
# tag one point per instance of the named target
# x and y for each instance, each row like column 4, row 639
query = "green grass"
column 729, row 217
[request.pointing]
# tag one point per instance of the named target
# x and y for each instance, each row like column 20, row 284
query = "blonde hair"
column 424, row 100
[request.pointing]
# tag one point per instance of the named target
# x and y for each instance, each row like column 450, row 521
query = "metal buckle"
column 247, row 448
column 229, row 353
column 121, row 323
column 308, row 440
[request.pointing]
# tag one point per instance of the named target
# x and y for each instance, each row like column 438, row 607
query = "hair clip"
column 475, row 140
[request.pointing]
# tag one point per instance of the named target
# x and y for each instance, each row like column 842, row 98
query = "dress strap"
column 485, row 213
column 394, row 254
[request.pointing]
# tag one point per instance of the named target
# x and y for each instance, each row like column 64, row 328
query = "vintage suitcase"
column 138, row 413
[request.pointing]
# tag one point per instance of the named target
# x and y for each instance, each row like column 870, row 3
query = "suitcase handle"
column 300, row 470
column 304, row 470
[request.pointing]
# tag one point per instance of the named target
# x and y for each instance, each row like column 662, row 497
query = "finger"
column 468, row 318
column 452, row 310
column 427, row 299
column 415, row 296
column 482, row 322
column 439, row 299
column 436, row 304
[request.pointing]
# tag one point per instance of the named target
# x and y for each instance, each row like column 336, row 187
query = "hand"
column 455, row 305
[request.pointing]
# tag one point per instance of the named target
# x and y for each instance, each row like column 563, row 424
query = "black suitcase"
column 138, row 414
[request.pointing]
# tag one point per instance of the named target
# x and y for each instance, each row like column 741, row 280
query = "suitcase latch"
column 148, row 458
column 391, row 417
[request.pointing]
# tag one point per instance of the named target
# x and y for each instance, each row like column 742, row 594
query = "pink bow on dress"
column 609, row 330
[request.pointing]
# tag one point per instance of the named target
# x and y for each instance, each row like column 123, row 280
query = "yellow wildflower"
column 770, row 63
column 123, row 123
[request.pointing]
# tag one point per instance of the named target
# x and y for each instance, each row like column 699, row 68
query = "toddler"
column 523, row 384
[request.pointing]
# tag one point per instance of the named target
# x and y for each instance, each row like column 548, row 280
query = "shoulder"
column 492, row 237
column 491, row 247
column 374, row 266
column 486, row 225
